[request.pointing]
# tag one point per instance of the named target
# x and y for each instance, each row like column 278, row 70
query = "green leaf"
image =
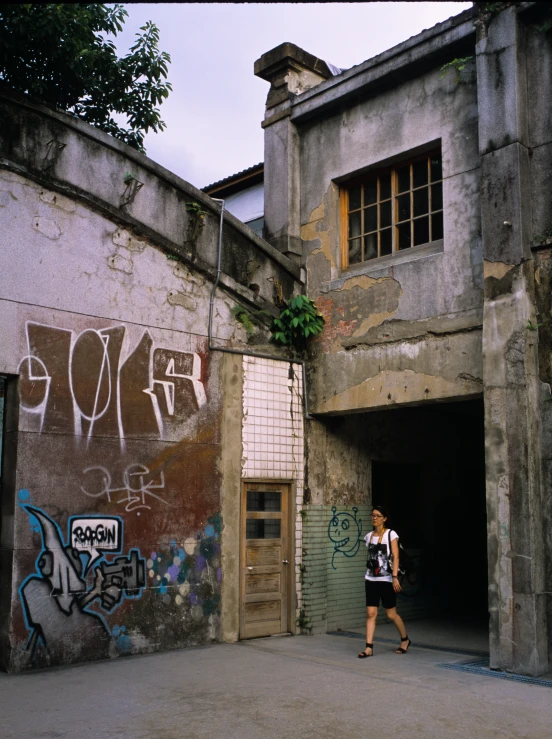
column 297, row 322
column 64, row 55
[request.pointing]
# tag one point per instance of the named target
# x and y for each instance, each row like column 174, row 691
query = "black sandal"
column 400, row 650
column 363, row 655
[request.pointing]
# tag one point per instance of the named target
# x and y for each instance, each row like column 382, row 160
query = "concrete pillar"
column 290, row 71
column 518, row 628
column 231, row 373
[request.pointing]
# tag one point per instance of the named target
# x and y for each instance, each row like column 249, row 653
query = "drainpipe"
column 217, row 279
column 241, row 352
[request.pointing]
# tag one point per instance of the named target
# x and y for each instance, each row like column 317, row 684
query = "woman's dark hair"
column 382, row 509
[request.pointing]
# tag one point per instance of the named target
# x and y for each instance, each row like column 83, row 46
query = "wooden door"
column 266, row 565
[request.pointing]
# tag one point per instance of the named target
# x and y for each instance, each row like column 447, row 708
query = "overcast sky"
column 214, row 112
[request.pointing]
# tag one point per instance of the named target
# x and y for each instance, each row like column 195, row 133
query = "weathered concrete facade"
column 451, row 320
column 122, row 439
column 130, row 445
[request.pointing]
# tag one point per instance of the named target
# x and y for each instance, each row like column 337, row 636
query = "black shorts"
column 376, row 591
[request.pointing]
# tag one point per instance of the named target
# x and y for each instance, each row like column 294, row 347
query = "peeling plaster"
column 175, row 298
column 191, row 281
column 120, row 263
column 375, row 319
column 47, row 228
column 400, row 330
column 319, row 272
column 124, row 238
column 58, row 201
column 496, row 269
column 362, row 281
column 391, row 387
column 376, row 298
column 317, row 230
column 6, row 198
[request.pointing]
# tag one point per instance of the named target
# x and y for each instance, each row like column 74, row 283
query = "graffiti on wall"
column 113, row 383
column 190, row 575
column 344, row 531
column 73, row 575
column 93, row 383
column 136, row 491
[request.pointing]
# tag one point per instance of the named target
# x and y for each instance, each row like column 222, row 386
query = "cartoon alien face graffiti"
column 344, row 531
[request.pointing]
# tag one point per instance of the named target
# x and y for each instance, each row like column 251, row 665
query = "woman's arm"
column 395, row 553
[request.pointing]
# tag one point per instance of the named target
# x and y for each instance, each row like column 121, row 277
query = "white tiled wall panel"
column 273, row 428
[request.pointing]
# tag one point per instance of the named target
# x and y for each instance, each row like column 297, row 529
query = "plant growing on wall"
column 242, row 316
column 197, row 213
column 251, row 319
column 61, row 54
column 458, row 65
column 303, row 622
column 298, row 321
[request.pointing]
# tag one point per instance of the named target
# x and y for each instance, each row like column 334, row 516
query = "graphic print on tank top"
column 378, row 564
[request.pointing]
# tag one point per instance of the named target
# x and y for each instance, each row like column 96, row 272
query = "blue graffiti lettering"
column 57, row 596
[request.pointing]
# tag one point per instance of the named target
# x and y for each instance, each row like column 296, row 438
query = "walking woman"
column 382, row 581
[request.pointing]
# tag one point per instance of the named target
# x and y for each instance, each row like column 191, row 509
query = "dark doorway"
column 2, row 430
column 8, row 435
column 431, row 477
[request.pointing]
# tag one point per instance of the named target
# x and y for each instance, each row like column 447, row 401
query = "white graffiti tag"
column 100, row 383
column 95, row 535
column 137, row 488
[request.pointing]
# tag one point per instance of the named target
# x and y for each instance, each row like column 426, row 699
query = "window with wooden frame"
column 392, row 209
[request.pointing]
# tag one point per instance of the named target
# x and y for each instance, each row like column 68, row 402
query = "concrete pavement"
column 306, row 687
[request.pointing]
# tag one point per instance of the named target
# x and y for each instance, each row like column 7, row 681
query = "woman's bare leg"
column 393, row 616
column 371, row 615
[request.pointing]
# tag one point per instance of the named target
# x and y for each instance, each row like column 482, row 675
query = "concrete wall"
column 119, row 430
column 384, row 342
column 117, row 462
column 513, row 393
column 538, row 47
column 453, row 319
column 401, row 330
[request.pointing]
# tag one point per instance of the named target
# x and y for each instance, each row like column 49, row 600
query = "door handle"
column 250, row 568
column 285, row 561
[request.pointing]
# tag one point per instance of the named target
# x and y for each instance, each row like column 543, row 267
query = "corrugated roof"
column 244, row 174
